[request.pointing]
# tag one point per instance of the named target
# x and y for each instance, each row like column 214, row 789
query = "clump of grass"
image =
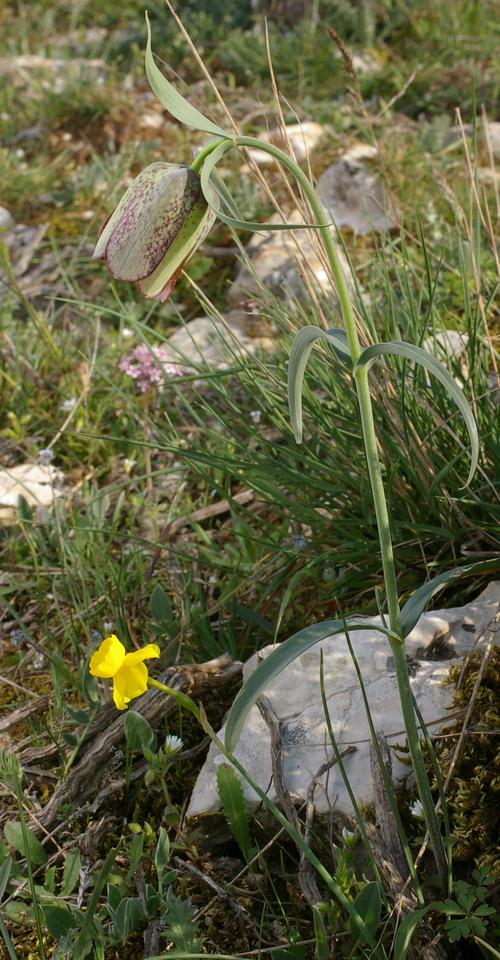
column 98, row 559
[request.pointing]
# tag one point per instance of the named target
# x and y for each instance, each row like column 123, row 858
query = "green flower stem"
column 182, row 699
column 378, row 493
column 325, row 875
column 199, row 160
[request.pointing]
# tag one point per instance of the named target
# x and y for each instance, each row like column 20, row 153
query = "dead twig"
column 21, row 713
column 386, row 825
column 307, row 881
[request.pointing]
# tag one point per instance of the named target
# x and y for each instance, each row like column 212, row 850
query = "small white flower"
column 416, row 809
column 127, row 332
column 172, row 744
column 347, row 835
column 45, row 456
column 256, row 415
column 68, row 404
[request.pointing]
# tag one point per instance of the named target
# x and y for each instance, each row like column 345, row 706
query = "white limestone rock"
column 213, row 342
column 449, row 345
column 493, row 136
column 39, row 485
column 283, row 262
column 6, row 220
column 440, row 638
column 298, row 138
column 353, row 193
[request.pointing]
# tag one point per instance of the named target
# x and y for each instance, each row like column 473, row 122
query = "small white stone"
column 297, row 138
column 39, row 485
column 354, row 195
column 283, row 262
column 493, row 137
column 213, row 342
column 6, row 220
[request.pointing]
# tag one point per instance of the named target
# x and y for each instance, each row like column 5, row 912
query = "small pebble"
column 6, row 219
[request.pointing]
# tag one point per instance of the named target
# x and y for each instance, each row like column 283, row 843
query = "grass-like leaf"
column 301, row 349
column 273, row 665
column 415, row 354
column 415, row 606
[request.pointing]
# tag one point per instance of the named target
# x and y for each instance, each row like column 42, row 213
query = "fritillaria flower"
column 158, row 224
column 127, row 670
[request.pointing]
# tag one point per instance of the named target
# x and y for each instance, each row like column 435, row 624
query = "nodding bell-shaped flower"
column 158, row 224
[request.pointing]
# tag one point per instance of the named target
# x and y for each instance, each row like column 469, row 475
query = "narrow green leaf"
column 71, row 872
column 113, row 898
column 368, row 904
column 417, row 355
column 49, row 881
column 406, row 930
column 134, row 858
column 129, row 916
column 176, row 104
column 162, row 851
column 234, row 807
column 278, row 659
column 32, row 849
column 301, row 349
column 291, row 584
column 415, row 606
column 321, row 946
column 85, row 935
column 5, row 869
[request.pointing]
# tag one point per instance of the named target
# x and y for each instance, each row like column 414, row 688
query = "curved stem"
column 200, row 158
column 378, row 493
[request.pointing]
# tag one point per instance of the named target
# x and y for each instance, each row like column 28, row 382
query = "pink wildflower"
column 149, row 366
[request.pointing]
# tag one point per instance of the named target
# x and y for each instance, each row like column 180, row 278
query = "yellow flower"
column 130, row 675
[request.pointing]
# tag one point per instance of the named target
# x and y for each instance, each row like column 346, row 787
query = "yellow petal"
column 118, row 695
column 147, row 653
column 131, row 681
column 108, row 658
